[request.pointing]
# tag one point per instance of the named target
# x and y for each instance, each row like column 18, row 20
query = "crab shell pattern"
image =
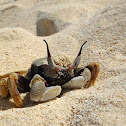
column 45, row 80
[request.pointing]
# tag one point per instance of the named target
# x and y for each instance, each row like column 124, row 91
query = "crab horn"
column 49, row 58
column 77, row 60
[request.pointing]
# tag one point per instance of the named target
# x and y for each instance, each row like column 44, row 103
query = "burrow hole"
column 46, row 27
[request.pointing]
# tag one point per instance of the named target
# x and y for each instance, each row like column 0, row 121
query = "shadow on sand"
column 7, row 103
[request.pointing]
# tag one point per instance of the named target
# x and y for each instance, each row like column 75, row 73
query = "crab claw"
column 77, row 59
column 39, row 92
column 37, row 88
column 51, row 63
column 51, row 92
column 79, row 81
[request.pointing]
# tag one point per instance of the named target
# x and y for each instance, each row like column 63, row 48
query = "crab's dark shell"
column 53, row 78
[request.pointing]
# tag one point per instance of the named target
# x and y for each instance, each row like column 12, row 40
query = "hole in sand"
column 46, row 27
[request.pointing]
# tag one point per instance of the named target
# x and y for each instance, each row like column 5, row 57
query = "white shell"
column 37, row 88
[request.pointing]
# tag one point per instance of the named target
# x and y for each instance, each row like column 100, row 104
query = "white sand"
column 66, row 24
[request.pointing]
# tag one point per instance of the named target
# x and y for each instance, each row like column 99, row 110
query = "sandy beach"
column 65, row 25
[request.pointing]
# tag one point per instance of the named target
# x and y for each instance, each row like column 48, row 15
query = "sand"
column 66, row 25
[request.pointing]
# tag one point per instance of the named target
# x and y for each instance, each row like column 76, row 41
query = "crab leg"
column 13, row 89
column 39, row 92
column 3, row 88
column 51, row 63
column 3, row 83
column 14, row 82
column 94, row 68
column 23, row 72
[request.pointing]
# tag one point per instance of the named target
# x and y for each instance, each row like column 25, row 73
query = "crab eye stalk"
column 48, row 52
column 51, row 63
column 77, row 59
column 81, row 48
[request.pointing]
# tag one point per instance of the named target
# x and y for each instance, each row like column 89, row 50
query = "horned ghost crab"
column 45, row 80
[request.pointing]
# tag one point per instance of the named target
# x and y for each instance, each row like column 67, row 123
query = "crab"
column 45, row 80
